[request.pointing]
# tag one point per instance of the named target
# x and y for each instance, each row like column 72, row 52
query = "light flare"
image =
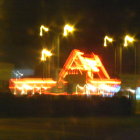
column 45, row 53
column 107, row 38
column 43, row 28
column 128, row 39
column 33, row 85
column 68, row 29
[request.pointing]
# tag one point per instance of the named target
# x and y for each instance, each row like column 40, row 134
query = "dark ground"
column 42, row 117
column 70, row 128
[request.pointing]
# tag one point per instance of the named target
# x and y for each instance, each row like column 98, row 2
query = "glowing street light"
column 43, row 28
column 128, row 39
column 45, row 53
column 68, row 29
column 109, row 39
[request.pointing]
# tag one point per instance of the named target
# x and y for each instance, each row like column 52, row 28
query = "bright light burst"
column 128, row 39
column 43, row 28
column 109, row 39
column 45, row 53
column 68, row 29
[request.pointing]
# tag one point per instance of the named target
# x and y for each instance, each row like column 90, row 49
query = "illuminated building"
column 87, row 74
column 97, row 81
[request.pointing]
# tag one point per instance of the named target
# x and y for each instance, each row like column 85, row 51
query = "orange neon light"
column 112, row 81
column 77, row 63
column 33, row 81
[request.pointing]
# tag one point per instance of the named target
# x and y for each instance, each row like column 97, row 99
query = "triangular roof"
column 77, row 60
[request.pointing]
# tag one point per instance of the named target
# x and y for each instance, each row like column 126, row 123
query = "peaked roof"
column 77, row 60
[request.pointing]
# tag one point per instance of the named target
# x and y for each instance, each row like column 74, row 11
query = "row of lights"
column 46, row 53
column 69, row 29
column 127, row 39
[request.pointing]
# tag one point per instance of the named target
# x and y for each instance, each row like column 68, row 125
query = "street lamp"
column 128, row 39
column 46, row 54
column 107, row 38
column 43, row 28
column 110, row 40
column 68, row 29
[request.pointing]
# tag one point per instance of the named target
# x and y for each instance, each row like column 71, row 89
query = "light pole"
column 135, row 57
column 43, row 28
column 66, row 31
column 107, row 40
column 129, row 40
column 46, row 54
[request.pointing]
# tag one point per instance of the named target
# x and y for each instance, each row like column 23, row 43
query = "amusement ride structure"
column 83, row 73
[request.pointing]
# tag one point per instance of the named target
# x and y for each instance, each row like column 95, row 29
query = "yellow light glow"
column 91, row 64
column 128, row 39
column 105, row 81
column 43, row 28
column 45, row 53
column 109, row 39
column 32, row 85
column 77, row 63
column 68, row 29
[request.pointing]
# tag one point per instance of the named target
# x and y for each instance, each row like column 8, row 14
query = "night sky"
column 20, row 20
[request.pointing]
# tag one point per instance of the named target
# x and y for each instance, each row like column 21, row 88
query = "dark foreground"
column 60, row 106
column 70, row 128
column 42, row 117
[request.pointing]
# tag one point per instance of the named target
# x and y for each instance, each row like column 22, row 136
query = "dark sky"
column 20, row 21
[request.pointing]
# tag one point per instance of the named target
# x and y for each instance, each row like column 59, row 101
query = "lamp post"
column 66, row 31
column 107, row 40
column 129, row 40
column 46, row 54
column 43, row 28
